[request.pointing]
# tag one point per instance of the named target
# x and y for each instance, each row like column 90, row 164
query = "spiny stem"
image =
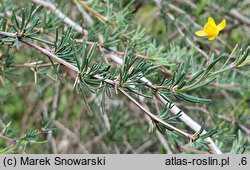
column 108, row 81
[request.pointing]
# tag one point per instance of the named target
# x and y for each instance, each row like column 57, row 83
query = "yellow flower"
column 211, row 30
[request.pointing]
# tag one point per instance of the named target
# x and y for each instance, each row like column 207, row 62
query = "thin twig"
column 92, row 11
column 53, row 116
column 155, row 118
column 144, row 146
column 72, row 136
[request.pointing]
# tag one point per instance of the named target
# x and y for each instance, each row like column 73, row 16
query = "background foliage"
column 81, row 84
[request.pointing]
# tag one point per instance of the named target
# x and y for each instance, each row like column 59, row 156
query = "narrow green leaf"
column 32, row 26
column 243, row 56
column 180, row 78
column 182, row 84
column 23, row 19
column 201, row 84
column 92, row 51
column 84, row 57
column 15, row 19
column 196, row 75
column 190, row 98
column 212, row 64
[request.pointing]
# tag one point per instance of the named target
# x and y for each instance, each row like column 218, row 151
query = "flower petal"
column 211, row 38
column 221, row 25
column 210, row 19
column 200, row 33
column 211, row 29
